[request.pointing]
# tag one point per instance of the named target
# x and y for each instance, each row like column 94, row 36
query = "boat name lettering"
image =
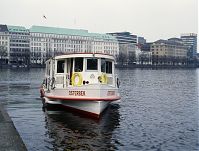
column 109, row 93
column 77, row 93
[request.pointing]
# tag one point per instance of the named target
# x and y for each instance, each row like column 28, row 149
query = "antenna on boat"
column 93, row 54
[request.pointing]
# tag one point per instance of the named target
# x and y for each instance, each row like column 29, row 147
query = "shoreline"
column 145, row 66
column 9, row 136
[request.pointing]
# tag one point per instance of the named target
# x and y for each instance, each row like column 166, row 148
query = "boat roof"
column 85, row 55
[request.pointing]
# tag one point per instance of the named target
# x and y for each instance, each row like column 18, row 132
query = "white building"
column 145, row 57
column 131, row 52
column 46, row 42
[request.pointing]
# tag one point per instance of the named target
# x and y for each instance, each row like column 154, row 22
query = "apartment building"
column 171, row 51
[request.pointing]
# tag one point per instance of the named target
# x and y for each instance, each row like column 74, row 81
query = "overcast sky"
column 153, row 19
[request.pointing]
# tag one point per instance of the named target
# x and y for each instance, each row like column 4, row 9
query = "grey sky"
column 153, row 19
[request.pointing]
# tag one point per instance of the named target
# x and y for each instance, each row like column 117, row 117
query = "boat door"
column 49, row 74
column 60, row 73
column 63, row 72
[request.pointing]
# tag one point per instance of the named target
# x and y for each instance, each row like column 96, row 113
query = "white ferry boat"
column 82, row 82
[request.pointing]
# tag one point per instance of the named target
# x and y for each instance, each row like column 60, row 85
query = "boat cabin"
column 80, row 70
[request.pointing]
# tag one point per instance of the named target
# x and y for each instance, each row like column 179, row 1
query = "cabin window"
column 78, row 64
column 60, row 66
column 103, row 65
column 108, row 67
column 91, row 64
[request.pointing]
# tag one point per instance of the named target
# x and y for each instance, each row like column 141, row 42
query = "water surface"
column 158, row 112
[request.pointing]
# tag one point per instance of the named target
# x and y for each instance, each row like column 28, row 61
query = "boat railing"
column 62, row 80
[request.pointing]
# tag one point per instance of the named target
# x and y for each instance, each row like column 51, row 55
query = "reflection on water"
column 158, row 112
column 69, row 131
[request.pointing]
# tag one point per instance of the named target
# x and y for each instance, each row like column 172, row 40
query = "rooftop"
column 66, row 31
column 3, row 28
column 168, row 42
column 17, row 29
column 85, row 55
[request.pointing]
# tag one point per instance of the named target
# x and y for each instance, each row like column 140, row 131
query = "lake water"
column 159, row 111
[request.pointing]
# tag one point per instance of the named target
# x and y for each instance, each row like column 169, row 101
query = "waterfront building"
column 19, row 44
column 4, row 45
column 51, row 41
column 145, row 57
column 129, row 54
column 190, row 40
column 169, row 52
column 128, row 47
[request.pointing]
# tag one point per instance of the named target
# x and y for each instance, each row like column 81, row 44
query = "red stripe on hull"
column 82, row 99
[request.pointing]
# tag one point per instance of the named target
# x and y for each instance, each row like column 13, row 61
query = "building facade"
column 128, row 47
column 129, row 54
column 46, row 42
column 190, row 40
column 4, row 45
column 169, row 52
column 19, row 43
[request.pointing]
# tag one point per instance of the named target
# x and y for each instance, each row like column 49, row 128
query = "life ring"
column 76, row 75
column 103, row 78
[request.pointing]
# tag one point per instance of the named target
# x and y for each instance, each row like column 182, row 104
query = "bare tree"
column 121, row 58
column 132, row 57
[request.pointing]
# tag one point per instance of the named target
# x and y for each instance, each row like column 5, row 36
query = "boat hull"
column 88, row 108
column 87, row 105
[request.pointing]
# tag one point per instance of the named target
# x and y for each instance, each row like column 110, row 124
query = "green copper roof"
column 17, row 29
column 66, row 31
column 59, row 31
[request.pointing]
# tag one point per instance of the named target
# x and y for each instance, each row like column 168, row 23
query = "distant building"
column 130, row 53
column 145, row 57
column 190, row 40
column 19, row 45
column 125, row 37
column 146, row 47
column 169, row 52
column 4, row 45
column 50, row 41
column 128, row 47
column 141, row 41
